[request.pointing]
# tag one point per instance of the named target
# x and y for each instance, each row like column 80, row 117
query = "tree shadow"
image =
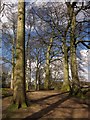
column 82, row 101
column 44, row 98
column 44, row 111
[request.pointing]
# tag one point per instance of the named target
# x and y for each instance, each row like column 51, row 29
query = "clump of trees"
column 50, row 32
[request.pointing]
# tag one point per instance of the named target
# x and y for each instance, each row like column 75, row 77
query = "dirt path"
column 49, row 104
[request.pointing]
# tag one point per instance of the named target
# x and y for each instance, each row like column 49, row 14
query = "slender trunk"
column 39, row 81
column 19, row 95
column 66, row 82
column 28, row 65
column 13, row 54
column 74, row 70
column 13, row 65
column 47, row 77
column 29, row 85
column 36, row 82
column 28, row 74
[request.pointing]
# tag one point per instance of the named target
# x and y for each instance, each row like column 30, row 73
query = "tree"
column 63, row 20
column 72, row 13
column 19, row 95
column 9, row 36
column 66, row 83
column 48, row 31
column 47, row 69
column 29, row 24
column 74, row 71
column 13, row 47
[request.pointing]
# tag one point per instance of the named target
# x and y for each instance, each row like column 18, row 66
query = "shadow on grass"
column 44, row 111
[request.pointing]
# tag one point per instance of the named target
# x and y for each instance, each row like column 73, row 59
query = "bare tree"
column 19, row 95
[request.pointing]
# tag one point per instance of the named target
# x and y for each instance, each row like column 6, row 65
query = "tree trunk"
column 36, row 82
column 28, row 74
column 39, row 81
column 66, row 82
column 13, row 65
column 47, row 77
column 19, row 95
column 74, row 70
column 28, row 63
column 29, row 87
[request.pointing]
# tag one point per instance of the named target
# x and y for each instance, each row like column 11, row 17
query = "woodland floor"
column 48, row 104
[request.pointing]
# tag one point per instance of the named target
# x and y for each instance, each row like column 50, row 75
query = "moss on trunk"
column 66, row 83
column 73, row 61
column 19, row 95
